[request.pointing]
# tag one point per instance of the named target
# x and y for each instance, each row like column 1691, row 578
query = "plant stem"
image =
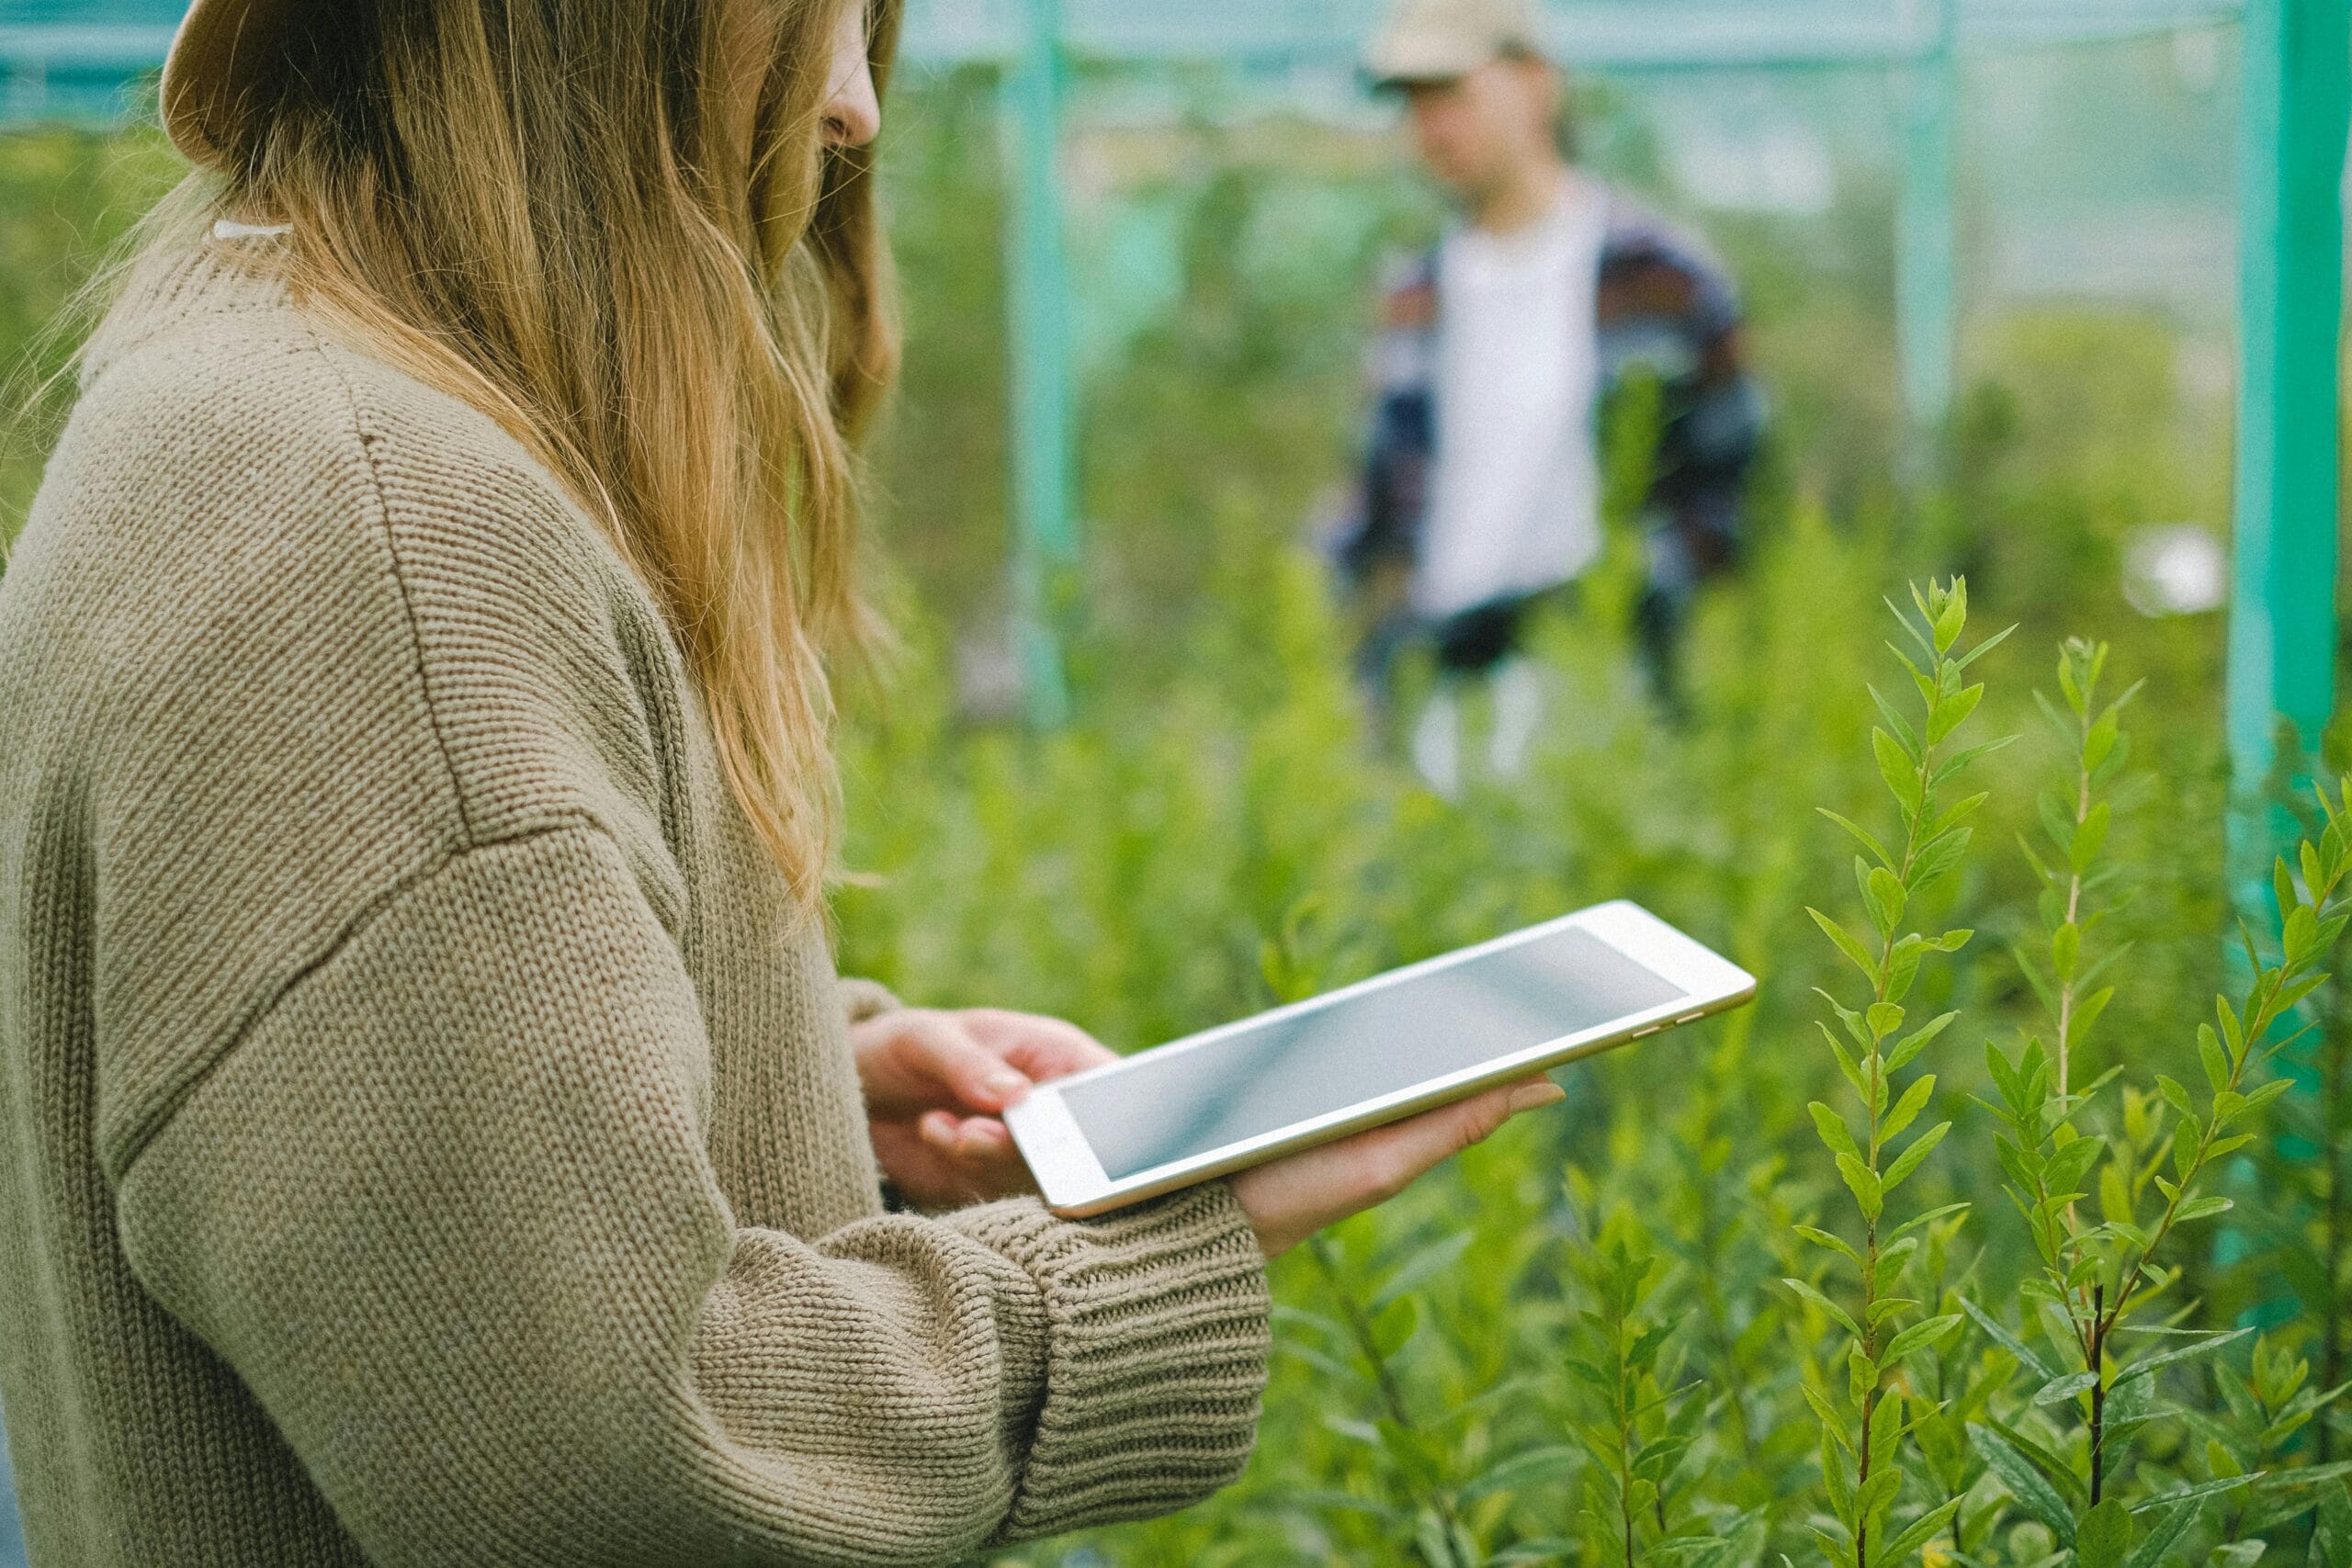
column 1625, row 1420
column 2098, row 1392
column 2074, row 904
column 1391, row 1395
column 1870, row 1221
column 2262, row 1011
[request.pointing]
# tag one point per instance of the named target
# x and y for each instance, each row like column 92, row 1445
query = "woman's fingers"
column 977, row 1138
column 1290, row 1199
column 1419, row 1142
column 1040, row 1047
column 931, row 1059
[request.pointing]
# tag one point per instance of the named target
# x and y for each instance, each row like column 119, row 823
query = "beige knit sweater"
column 423, row 1138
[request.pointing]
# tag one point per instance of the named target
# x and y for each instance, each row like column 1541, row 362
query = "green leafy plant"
column 1862, row 1436
column 1636, row 1418
column 2268, row 1406
column 2095, row 1277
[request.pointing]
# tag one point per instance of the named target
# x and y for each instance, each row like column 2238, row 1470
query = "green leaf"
column 2332, row 1534
column 1908, row 1161
column 1937, row 856
column 1836, row 1313
column 1901, row 774
column 1833, row 1423
column 2058, row 1390
column 2007, row 1340
column 2166, row 1534
column 2174, row 1094
column 1846, row 1063
column 2034, row 1493
column 1919, row 1337
column 1987, row 646
column 1887, row 896
column 2069, row 1164
column 2008, row 1078
column 1395, row 1325
column 1822, row 1238
column 1959, row 762
column 1951, row 618
column 1920, row 1222
column 1915, row 1043
column 2086, row 1011
column 1833, row 1129
column 1422, row 1266
column 1922, row 1530
column 2155, row 1364
column 1436, row 1549
column 2209, row 1052
column 1869, row 1190
column 1951, row 714
column 2090, row 838
column 2196, row 1493
column 1855, row 953
column 1906, row 1109
column 2104, row 1536
column 2065, row 948
column 2099, row 742
column 1526, row 1468
column 1860, row 836
column 1894, row 717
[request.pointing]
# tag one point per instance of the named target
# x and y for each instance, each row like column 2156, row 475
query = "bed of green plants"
column 1860, row 1271
column 1922, row 1256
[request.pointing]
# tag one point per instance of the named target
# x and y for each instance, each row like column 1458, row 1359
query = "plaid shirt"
column 1664, row 308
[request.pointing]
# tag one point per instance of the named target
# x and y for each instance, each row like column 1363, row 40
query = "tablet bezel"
column 1075, row 1184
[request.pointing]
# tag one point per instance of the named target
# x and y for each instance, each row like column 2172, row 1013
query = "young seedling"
column 2094, row 1278
column 1639, row 1422
column 2268, row 1406
column 2072, row 866
column 1863, row 1437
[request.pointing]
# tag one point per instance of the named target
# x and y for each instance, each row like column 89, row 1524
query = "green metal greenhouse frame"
column 73, row 59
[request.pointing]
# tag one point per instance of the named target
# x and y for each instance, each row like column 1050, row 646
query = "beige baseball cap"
column 1436, row 40
column 222, row 51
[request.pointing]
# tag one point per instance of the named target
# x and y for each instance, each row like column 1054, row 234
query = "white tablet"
column 1374, row 1052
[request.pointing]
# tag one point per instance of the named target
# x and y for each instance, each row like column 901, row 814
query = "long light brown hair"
column 548, row 207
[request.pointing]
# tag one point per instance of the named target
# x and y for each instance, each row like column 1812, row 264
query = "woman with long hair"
column 432, row 1129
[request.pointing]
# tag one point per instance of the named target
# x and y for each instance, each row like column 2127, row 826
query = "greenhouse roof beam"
column 1593, row 34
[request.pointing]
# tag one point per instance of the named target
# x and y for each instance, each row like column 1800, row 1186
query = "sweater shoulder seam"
column 382, row 902
column 469, row 833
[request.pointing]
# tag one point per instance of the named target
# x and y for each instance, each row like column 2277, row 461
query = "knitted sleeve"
column 446, row 1212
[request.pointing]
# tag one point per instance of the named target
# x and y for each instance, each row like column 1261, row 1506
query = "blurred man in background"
column 1482, row 482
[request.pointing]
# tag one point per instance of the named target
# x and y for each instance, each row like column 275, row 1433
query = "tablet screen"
column 1268, row 1076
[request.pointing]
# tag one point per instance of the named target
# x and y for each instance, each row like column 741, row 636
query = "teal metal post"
column 1926, row 297
column 2296, row 96
column 2295, row 99
column 1045, row 541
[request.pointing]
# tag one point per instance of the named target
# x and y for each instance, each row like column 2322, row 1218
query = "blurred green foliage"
column 1577, row 1335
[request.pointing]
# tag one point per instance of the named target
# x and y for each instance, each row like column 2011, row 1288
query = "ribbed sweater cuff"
column 1156, row 1353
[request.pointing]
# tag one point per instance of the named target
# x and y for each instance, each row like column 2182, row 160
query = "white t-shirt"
column 1515, row 495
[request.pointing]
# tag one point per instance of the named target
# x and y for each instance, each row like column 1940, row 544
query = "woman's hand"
column 935, row 1082
column 1290, row 1199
